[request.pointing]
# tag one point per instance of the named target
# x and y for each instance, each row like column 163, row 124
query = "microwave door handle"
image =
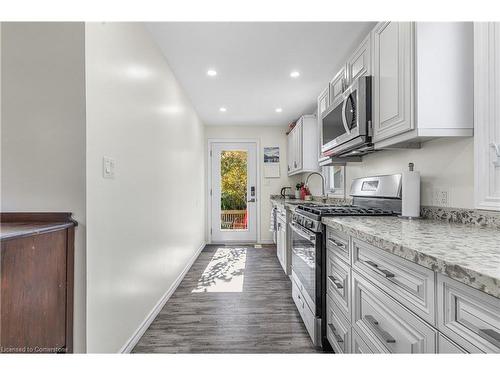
column 344, row 118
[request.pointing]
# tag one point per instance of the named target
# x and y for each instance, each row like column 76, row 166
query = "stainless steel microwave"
column 346, row 124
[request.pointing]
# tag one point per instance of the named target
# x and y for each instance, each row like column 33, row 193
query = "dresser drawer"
column 409, row 283
column 338, row 330
column 468, row 316
column 358, row 346
column 338, row 242
column 446, row 346
column 387, row 325
column 338, row 282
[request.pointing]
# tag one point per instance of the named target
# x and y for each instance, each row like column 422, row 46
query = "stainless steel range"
column 372, row 196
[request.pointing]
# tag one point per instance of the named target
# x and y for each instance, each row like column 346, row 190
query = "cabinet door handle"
column 383, row 334
column 380, row 271
column 337, row 283
column 338, row 338
column 295, row 164
column 491, row 335
column 337, row 243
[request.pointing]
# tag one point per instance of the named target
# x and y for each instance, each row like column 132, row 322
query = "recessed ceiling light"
column 222, row 109
column 279, row 110
column 211, row 73
column 294, row 74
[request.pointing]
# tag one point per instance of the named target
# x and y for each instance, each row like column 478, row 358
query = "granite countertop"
column 466, row 253
column 290, row 202
column 14, row 230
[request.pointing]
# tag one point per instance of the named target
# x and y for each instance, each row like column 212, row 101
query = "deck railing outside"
column 233, row 219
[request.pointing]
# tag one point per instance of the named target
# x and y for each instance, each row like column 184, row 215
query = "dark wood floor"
column 232, row 300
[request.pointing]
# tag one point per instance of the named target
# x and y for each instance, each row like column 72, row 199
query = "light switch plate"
column 108, row 167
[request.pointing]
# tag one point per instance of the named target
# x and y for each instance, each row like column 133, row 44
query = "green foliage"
column 234, row 180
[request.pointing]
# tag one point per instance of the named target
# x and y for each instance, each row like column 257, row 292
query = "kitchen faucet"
column 323, row 197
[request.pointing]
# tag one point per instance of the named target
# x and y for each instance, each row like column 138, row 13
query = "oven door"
column 304, row 261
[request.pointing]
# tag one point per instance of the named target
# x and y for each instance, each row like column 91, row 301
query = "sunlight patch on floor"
column 224, row 273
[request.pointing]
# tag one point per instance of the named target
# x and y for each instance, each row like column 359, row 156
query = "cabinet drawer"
column 304, row 311
column 338, row 282
column 338, row 330
column 446, row 346
column 358, row 346
column 338, row 243
column 468, row 316
column 409, row 283
column 388, row 326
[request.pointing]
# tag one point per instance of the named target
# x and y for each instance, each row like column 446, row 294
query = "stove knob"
column 309, row 224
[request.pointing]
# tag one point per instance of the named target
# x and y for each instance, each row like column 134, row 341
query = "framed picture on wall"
column 272, row 162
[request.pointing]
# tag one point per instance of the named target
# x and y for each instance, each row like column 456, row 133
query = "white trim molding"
column 209, row 180
column 136, row 336
column 486, row 115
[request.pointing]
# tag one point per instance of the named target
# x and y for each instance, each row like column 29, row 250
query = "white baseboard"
column 134, row 339
column 267, row 242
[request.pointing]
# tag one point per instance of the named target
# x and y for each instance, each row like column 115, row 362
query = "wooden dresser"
column 36, row 285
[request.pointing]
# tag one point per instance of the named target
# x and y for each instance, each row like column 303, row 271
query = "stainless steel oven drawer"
column 468, row 316
column 409, row 283
column 384, row 324
column 338, row 283
column 338, row 243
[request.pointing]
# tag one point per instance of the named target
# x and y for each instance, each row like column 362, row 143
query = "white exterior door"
column 233, row 203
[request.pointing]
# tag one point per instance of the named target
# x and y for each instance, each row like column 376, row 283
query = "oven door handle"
column 344, row 117
column 303, row 233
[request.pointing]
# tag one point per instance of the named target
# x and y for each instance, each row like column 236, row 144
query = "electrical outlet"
column 441, row 197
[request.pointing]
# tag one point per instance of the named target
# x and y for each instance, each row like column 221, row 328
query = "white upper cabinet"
column 303, row 147
column 337, row 85
column 422, row 81
column 392, row 79
column 323, row 101
column 359, row 64
column 487, row 115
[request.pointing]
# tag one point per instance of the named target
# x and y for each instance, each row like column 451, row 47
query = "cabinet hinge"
column 210, row 192
column 210, row 153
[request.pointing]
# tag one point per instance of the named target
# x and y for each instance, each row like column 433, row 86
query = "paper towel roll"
column 411, row 194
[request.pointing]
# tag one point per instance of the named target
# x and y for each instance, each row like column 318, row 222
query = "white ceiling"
column 253, row 63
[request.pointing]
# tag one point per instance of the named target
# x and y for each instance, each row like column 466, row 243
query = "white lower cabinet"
column 385, row 325
column 378, row 302
column 281, row 243
column 469, row 317
column 338, row 328
column 305, row 312
column 446, row 346
column 358, row 346
column 409, row 283
column 338, row 281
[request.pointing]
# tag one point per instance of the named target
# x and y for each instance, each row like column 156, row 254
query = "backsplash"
column 490, row 219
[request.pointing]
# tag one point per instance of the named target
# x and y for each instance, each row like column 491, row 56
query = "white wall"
column 267, row 136
column 443, row 163
column 43, row 131
column 145, row 225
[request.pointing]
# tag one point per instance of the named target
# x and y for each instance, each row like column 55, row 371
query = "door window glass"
column 233, row 205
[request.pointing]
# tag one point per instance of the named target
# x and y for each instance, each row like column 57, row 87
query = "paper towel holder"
column 411, row 167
